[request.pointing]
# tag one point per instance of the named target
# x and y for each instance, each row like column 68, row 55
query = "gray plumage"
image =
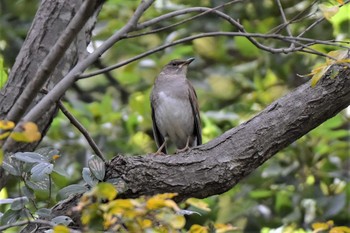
column 175, row 111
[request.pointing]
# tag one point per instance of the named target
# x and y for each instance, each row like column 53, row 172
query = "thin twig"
column 285, row 21
column 82, row 129
column 211, row 34
column 153, row 21
column 319, row 21
column 295, row 19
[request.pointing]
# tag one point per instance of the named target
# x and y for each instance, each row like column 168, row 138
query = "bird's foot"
column 158, row 153
column 186, row 148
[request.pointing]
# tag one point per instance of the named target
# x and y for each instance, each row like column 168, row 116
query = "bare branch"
column 211, row 34
column 82, row 129
column 285, row 21
column 172, row 14
column 295, row 19
column 319, row 21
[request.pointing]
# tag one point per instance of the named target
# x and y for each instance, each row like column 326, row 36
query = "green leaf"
column 41, row 170
column 44, row 213
column 10, row 216
column 62, row 220
column 30, row 157
column 97, row 167
column 88, row 178
column 13, row 170
column 6, row 201
column 260, row 193
column 60, row 171
column 3, row 73
column 43, row 184
column 72, row 189
column 48, row 152
column 19, row 203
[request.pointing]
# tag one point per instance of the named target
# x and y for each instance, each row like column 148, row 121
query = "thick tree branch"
column 217, row 166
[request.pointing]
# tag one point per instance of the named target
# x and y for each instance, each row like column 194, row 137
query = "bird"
column 175, row 110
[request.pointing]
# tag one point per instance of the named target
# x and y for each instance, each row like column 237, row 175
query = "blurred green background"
column 302, row 184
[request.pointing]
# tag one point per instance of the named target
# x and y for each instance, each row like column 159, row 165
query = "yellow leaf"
column 155, row 203
column 318, row 75
column 55, row 157
column 4, row 135
column 177, row 221
column 165, row 195
column 330, row 223
column 30, row 133
column 19, row 137
column 341, row 229
column 105, row 191
column 108, row 220
column 119, row 206
column 222, row 228
column 200, row 204
column 146, row 223
column 60, row 229
column 328, row 12
column 174, row 220
column 160, row 200
column 6, row 125
column 198, row 229
column 337, row 54
column 89, row 212
column 321, row 226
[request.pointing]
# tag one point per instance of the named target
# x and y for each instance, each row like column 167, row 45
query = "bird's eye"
column 174, row 64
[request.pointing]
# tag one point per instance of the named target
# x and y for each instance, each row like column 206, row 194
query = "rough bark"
column 50, row 20
column 218, row 165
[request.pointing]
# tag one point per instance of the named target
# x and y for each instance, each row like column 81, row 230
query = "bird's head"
column 177, row 66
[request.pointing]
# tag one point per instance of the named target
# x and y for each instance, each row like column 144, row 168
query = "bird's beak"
column 187, row 62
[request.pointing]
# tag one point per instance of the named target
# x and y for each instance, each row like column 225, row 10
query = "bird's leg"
column 185, row 148
column 159, row 151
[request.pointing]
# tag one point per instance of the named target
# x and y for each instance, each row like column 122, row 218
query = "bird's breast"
column 174, row 116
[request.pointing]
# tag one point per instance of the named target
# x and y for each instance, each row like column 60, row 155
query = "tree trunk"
column 50, row 21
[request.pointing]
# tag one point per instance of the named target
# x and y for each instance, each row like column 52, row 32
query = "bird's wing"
column 156, row 133
column 197, row 131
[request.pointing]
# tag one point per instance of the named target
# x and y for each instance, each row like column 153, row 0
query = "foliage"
column 338, row 57
column 159, row 213
column 29, row 131
column 306, row 183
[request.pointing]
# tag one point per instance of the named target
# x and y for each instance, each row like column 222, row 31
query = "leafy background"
column 304, row 183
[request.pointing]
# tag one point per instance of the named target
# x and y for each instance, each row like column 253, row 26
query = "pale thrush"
column 175, row 111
